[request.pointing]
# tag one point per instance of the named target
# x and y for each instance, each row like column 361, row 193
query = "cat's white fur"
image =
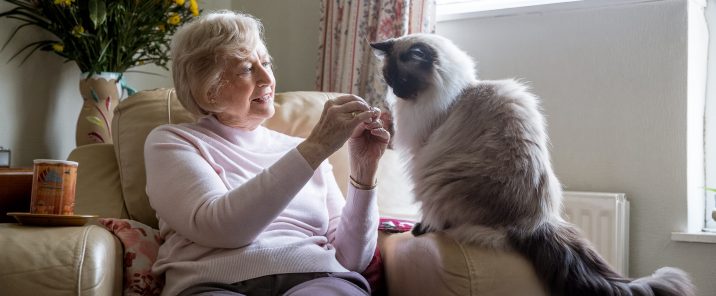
column 414, row 132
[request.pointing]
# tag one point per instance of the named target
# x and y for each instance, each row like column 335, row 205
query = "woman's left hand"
column 366, row 145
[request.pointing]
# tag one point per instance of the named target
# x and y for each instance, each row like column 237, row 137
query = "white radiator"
column 604, row 219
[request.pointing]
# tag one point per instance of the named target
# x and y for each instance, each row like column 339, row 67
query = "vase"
column 101, row 92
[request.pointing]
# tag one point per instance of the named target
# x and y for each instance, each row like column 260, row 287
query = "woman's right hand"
column 340, row 117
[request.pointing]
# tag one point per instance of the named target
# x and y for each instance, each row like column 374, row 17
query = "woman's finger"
column 347, row 98
column 376, row 111
column 374, row 124
column 366, row 117
column 382, row 134
column 351, row 106
column 355, row 111
column 363, row 121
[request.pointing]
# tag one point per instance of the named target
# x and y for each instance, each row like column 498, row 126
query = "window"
column 455, row 9
column 700, row 133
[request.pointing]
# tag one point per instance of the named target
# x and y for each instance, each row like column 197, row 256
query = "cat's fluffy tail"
column 567, row 265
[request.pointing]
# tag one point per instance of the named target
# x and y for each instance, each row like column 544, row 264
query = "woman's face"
column 247, row 92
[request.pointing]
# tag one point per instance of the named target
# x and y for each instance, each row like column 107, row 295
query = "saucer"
column 51, row 219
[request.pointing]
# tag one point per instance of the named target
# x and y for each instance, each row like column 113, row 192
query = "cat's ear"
column 383, row 48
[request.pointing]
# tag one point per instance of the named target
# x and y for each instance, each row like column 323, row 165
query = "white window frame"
column 710, row 119
column 459, row 9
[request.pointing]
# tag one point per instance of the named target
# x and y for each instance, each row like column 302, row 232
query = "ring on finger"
column 355, row 113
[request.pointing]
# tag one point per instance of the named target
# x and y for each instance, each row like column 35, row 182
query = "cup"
column 53, row 187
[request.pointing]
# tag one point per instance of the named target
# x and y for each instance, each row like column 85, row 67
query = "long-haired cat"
column 478, row 158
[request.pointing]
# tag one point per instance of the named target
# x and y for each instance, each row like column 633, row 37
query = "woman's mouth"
column 263, row 99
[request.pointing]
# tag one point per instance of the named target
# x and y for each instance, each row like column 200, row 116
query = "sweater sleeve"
column 188, row 195
column 353, row 225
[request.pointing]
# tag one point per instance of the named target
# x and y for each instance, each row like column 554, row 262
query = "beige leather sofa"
column 87, row 260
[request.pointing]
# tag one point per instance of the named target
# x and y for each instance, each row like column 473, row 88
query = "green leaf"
column 97, row 12
column 13, row 34
column 26, row 16
column 36, row 45
column 710, row 189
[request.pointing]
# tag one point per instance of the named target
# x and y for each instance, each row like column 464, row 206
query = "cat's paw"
column 418, row 229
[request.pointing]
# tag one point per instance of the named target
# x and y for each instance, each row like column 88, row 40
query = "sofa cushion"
column 133, row 119
column 296, row 114
column 99, row 190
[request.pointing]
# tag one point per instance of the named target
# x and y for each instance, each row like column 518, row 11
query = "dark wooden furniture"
column 15, row 190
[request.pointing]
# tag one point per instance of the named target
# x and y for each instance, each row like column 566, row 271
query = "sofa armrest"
column 84, row 260
column 434, row 264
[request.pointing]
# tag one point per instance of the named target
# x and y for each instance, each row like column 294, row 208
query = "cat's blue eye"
column 417, row 53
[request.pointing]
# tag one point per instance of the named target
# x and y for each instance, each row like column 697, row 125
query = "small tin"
column 53, row 187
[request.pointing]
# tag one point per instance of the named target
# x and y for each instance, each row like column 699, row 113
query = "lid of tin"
column 55, row 161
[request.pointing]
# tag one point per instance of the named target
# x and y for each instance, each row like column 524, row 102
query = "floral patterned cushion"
column 141, row 244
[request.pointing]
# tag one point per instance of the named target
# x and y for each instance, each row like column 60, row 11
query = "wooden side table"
column 15, row 191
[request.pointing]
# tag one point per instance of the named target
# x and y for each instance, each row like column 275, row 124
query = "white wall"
column 614, row 85
column 291, row 32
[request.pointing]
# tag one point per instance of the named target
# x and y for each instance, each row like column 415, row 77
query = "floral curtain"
column 346, row 62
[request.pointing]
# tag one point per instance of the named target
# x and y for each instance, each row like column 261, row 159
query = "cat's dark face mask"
column 407, row 69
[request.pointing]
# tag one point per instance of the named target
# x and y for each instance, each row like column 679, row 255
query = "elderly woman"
column 247, row 210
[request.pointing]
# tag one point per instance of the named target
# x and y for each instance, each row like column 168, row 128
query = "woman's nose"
column 265, row 77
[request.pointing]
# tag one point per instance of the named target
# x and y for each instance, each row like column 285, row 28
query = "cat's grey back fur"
column 478, row 167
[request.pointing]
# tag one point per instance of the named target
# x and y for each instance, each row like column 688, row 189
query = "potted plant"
column 104, row 38
column 713, row 211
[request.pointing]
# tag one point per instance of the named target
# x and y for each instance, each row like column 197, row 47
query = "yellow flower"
column 173, row 19
column 179, row 2
column 64, row 2
column 78, row 30
column 58, row 47
column 194, row 7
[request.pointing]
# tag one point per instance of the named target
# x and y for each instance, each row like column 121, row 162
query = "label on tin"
column 53, row 188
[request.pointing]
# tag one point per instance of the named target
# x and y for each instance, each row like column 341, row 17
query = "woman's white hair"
column 201, row 49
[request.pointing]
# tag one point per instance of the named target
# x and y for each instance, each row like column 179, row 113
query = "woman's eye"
column 245, row 70
column 266, row 65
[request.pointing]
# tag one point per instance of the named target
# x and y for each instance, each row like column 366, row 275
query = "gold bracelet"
column 361, row 186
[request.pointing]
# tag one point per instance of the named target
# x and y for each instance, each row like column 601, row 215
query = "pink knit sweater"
column 235, row 204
